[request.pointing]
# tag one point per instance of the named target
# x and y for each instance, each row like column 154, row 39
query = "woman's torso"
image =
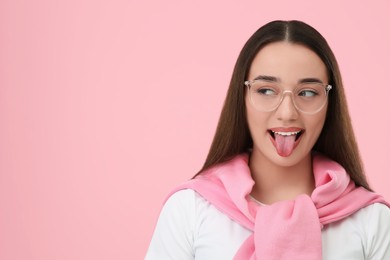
column 190, row 227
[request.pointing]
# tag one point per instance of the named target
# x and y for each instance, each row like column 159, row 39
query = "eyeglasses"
column 307, row 97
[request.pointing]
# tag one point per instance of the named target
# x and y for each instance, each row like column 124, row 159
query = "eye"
column 308, row 93
column 266, row 91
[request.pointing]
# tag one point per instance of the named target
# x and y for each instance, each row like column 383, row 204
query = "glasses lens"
column 307, row 97
column 310, row 97
column 265, row 96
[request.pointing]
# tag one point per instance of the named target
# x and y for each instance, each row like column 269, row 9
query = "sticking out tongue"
column 284, row 144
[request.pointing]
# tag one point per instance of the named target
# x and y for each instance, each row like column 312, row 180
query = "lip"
column 286, row 129
column 271, row 131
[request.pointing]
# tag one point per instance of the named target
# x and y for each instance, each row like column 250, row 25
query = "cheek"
column 317, row 124
column 250, row 117
column 256, row 121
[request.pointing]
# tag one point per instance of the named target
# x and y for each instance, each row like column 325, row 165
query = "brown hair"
column 337, row 140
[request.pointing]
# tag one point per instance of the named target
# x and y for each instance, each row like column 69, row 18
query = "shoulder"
column 184, row 199
column 367, row 232
column 376, row 222
column 377, row 209
column 372, row 218
column 179, row 207
column 211, row 233
column 187, row 201
column 185, row 206
column 173, row 234
column 183, row 196
column 376, row 215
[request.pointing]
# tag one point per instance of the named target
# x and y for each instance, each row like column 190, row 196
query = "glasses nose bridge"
column 283, row 94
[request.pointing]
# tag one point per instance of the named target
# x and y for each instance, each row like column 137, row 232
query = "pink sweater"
column 286, row 229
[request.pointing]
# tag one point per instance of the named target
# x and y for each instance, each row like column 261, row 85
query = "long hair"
column 337, row 139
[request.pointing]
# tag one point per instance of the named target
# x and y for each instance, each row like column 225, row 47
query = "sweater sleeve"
column 378, row 232
column 173, row 236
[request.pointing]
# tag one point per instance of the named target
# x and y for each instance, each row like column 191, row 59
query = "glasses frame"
column 327, row 88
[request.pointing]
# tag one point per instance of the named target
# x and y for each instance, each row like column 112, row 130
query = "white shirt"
column 190, row 228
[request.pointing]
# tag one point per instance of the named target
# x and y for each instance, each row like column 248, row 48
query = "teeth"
column 286, row 133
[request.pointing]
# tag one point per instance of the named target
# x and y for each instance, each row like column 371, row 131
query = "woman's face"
column 274, row 133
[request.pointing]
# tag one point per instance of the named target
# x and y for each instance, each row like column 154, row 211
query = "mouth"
column 285, row 140
column 297, row 134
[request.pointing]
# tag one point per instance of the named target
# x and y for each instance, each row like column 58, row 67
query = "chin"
column 285, row 161
column 273, row 157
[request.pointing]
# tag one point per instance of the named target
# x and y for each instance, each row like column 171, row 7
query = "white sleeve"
column 173, row 236
column 378, row 232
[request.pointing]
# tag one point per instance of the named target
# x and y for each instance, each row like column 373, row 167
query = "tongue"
column 284, row 144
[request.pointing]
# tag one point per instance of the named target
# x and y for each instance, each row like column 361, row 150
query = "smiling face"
column 286, row 135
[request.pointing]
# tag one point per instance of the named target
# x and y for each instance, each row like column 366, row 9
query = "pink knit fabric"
column 286, row 229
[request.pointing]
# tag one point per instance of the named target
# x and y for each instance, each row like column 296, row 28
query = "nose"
column 286, row 111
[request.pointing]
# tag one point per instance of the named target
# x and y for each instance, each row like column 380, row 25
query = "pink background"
column 106, row 105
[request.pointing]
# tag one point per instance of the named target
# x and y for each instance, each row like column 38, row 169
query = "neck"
column 274, row 182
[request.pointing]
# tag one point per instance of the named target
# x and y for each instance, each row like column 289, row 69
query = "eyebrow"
column 275, row 79
column 267, row 78
column 310, row 80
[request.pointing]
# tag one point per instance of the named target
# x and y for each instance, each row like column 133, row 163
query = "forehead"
column 289, row 62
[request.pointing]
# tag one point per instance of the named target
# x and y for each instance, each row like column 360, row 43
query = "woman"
column 283, row 178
